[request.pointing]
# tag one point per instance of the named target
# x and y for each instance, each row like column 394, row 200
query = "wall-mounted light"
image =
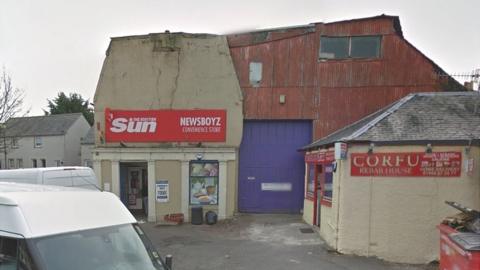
column 428, row 149
column 370, row 148
column 199, row 156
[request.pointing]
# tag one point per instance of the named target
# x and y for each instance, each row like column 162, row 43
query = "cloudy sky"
column 58, row 45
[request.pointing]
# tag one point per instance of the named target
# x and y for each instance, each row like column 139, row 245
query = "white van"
column 58, row 228
column 83, row 177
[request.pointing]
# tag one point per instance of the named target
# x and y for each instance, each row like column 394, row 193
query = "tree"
column 11, row 101
column 73, row 103
column 11, row 98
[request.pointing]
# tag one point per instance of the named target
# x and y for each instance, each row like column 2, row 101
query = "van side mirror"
column 169, row 261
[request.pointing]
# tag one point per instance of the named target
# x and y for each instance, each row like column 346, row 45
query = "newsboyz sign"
column 420, row 164
column 165, row 126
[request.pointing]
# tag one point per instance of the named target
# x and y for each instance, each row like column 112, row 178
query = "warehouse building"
column 172, row 108
column 378, row 187
column 302, row 83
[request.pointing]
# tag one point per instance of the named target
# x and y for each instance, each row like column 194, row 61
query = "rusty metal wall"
column 332, row 93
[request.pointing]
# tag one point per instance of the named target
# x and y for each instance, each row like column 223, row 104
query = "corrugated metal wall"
column 333, row 93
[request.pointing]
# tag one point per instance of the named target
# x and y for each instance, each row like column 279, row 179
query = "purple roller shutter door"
column 271, row 170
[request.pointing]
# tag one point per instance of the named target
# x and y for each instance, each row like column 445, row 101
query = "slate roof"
column 47, row 125
column 89, row 138
column 419, row 117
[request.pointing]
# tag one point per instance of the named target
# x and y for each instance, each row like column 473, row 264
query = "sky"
column 50, row 46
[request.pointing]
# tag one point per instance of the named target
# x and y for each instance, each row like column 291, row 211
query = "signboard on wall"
column 165, row 126
column 320, row 157
column 419, row 164
column 162, row 192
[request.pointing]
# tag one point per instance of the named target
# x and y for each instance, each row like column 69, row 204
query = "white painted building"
column 43, row 141
column 86, row 149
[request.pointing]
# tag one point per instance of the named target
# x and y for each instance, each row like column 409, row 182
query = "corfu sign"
column 165, row 126
column 438, row 164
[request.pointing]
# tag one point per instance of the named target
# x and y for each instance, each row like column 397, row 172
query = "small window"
column 350, row 47
column 34, row 163
column 334, row 47
column 20, row 163
column 11, row 163
column 14, row 142
column 44, row 162
column 38, row 142
column 365, row 47
column 255, row 73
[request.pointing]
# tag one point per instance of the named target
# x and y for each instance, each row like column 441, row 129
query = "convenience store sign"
column 417, row 164
column 165, row 125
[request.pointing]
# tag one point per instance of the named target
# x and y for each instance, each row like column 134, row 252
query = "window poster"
column 311, row 181
column 204, row 182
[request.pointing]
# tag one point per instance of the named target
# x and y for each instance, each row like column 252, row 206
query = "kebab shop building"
column 167, row 128
column 378, row 187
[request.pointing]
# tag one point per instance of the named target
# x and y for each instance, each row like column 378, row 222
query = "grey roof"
column 420, row 117
column 47, row 125
column 89, row 138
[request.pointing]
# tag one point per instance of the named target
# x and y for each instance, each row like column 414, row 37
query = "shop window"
column 204, row 183
column 255, row 73
column 310, row 194
column 327, row 185
column 350, row 47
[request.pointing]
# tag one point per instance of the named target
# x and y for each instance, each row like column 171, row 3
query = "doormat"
column 306, row 230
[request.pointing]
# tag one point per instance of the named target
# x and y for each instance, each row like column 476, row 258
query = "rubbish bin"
column 211, row 218
column 197, row 215
column 458, row 250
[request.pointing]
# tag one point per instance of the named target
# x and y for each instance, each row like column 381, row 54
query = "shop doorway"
column 134, row 187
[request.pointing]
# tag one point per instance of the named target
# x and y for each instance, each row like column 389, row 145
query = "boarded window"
column 365, row 47
column 334, row 47
column 255, row 73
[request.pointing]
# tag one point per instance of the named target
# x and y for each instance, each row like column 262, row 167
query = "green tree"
column 73, row 103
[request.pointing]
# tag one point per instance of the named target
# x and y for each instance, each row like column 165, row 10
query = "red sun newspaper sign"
column 165, row 126
column 438, row 164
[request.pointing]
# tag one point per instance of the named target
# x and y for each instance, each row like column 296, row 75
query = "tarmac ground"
column 256, row 241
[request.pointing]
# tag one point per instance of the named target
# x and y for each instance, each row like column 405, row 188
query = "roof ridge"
column 50, row 115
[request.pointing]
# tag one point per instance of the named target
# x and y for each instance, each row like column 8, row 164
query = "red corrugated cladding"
column 332, row 93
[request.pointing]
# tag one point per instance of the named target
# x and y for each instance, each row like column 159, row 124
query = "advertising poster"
column 204, row 183
column 162, row 192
